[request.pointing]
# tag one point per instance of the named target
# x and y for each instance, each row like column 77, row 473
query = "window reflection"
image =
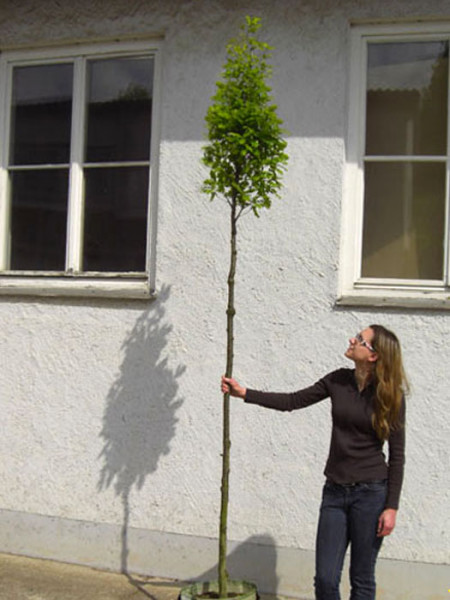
column 404, row 217
column 39, row 220
column 119, row 109
column 115, row 219
column 407, row 88
column 41, row 114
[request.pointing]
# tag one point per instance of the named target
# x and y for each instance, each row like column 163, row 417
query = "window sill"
column 89, row 286
column 396, row 298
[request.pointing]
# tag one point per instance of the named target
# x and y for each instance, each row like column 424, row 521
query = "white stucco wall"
column 111, row 409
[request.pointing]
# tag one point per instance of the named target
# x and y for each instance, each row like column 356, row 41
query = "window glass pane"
column 38, row 220
column 119, row 109
column 404, row 215
column 41, row 114
column 407, row 98
column 115, row 219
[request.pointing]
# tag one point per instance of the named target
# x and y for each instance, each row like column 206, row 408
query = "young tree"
column 246, row 159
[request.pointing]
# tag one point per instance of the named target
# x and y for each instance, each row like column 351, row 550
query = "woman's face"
column 360, row 347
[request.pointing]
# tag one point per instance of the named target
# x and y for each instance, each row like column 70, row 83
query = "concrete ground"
column 23, row 578
column 34, row 579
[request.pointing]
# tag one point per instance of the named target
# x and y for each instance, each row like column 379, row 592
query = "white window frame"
column 353, row 289
column 72, row 282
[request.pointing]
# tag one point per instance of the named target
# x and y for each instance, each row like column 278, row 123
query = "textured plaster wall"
column 111, row 409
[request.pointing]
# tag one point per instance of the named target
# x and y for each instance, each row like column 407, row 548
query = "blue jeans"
column 348, row 515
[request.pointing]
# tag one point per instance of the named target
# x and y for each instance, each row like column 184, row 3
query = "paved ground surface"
column 24, row 578
column 32, row 579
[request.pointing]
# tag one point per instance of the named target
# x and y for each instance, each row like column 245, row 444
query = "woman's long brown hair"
column 390, row 380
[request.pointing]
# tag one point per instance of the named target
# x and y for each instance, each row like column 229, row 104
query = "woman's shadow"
column 139, row 419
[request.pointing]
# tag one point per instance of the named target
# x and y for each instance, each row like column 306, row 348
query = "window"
column 396, row 243
column 77, row 170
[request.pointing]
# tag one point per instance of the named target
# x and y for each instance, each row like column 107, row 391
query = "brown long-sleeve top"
column 356, row 453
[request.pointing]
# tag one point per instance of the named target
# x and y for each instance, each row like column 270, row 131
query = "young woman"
column 361, row 493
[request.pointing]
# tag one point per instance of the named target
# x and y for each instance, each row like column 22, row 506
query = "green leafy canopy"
column 245, row 153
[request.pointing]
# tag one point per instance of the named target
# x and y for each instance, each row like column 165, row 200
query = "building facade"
column 113, row 270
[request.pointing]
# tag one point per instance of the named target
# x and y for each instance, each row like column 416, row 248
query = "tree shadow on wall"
column 139, row 419
column 253, row 560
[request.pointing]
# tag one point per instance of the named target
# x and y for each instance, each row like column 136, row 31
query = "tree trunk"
column 223, row 575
